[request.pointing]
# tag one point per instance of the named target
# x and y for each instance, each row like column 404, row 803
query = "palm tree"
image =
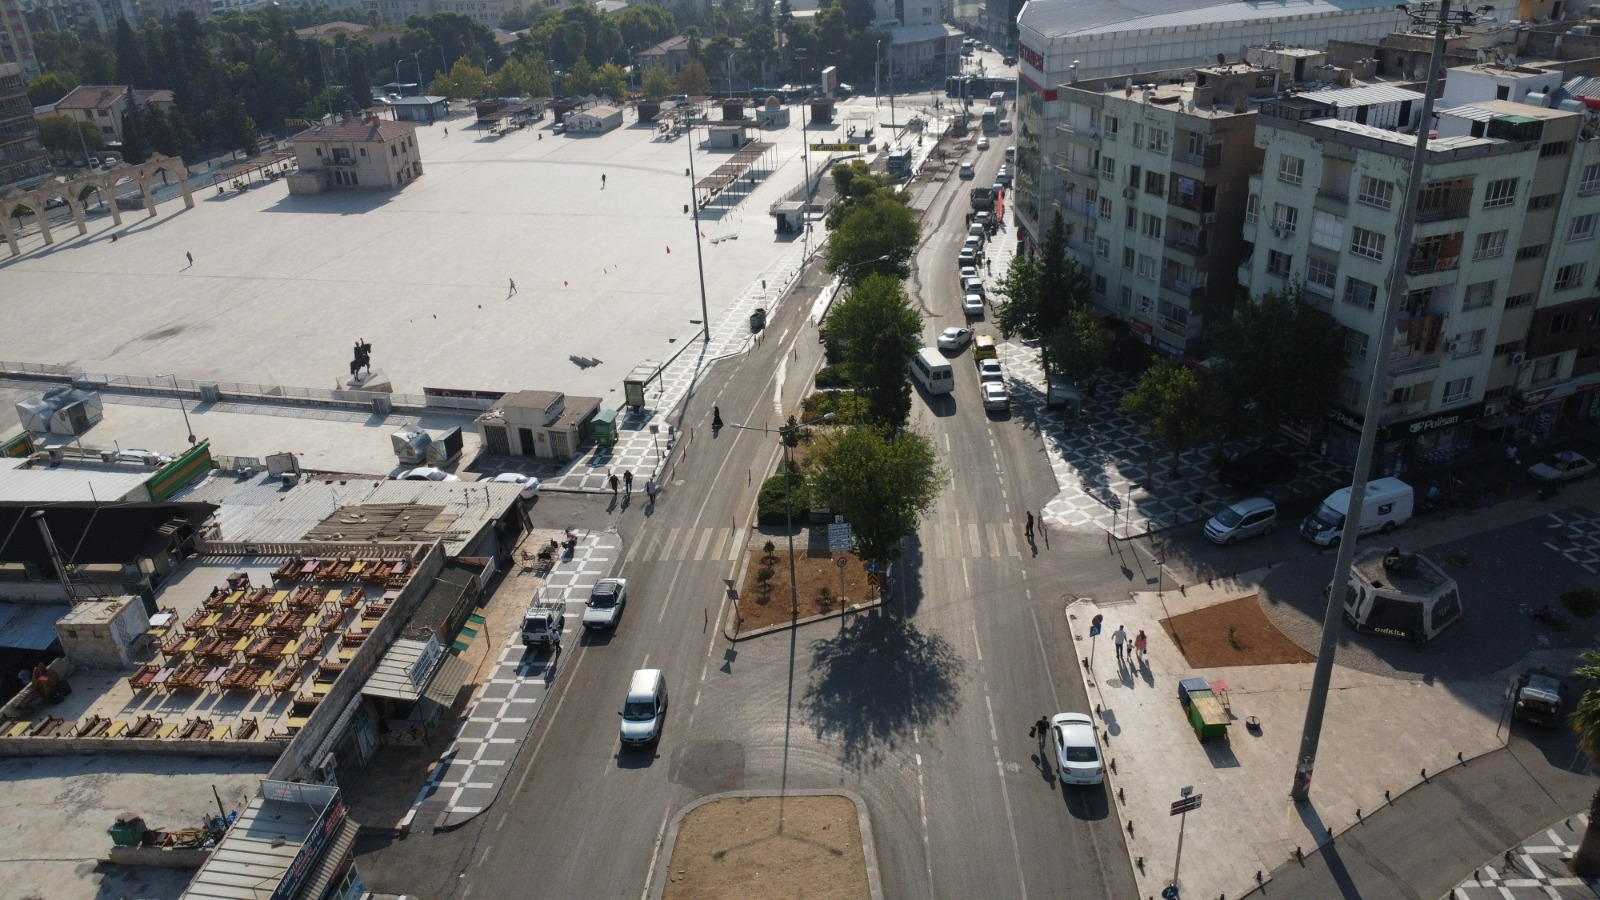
column 1585, row 721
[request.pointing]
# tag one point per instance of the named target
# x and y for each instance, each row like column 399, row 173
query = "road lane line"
column 994, row 540
column 650, row 873
column 777, row 385
column 922, row 807
column 705, row 541
column 1005, row 795
column 966, row 577
column 974, row 544
column 1038, row 636
column 978, row 649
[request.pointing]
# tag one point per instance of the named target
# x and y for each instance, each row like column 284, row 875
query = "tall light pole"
column 699, row 257
column 877, row 63
column 181, row 407
column 788, row 435
column 1425, row 12
column 416, row 57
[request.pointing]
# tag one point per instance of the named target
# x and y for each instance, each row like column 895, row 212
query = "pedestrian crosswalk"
column 965, row 540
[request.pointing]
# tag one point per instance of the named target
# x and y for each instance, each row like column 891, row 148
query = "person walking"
column 613, row 484
column 602, row 181
column 1027, row 530
column 447, row 131
column 650, row 489
column 1040, row 728
column 513, row 287
column 627, row 480
column 1511, row 458
column 1121, row 638
column 189, row 256
column 1141, row 645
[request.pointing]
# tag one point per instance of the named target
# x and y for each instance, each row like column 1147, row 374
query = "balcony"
column 1430, row 265
column 1334, row 200
column 1401, row 364
column 1393, row 411
column 1086, row 135
column 1455, row 209
column 1077, row 167
column 1070, row 206
column 1183, row 288
column 1193, row 244
column 1443, row 200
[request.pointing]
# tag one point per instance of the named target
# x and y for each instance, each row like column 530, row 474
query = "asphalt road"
column 922, row 708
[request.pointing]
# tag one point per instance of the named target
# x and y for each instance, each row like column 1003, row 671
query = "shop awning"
column 447, row 680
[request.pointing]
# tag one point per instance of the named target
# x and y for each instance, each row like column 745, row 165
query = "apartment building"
column 22, row 155
column 1152, row 190
column 1496, row 328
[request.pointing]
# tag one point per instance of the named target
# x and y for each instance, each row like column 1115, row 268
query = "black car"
column 1253, row 470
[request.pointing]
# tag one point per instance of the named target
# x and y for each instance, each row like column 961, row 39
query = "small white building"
column 594, row 120
column 362, row 152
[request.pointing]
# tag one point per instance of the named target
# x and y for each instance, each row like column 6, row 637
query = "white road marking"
column 1005, row 794
column 978, row 649
column 650, row 873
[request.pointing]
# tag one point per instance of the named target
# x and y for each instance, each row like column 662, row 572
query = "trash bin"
column 758, row 319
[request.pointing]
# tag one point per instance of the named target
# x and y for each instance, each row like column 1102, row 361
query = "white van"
column 931, row 370
column 1385, row 507
column 644, row 710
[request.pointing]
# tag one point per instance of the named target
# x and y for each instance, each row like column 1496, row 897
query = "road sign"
column 872, row 567
column 872, row 579
column 839, row 537
column 1187, row 804
column 841, row 562
column 1094, row 630
column 1170, row 892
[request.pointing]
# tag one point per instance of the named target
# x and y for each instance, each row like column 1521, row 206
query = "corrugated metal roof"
column 1368, row 95
column 1062, row 18
column 1468, row 111
column 66, row 484
column 30, row 626
column 255, row 854
column 392, row 676
column 1407, row 140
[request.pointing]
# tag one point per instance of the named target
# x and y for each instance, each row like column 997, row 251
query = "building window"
column 1131, row 220
column 1561, row 323
column 1285, row 218
column 1478, row 295
column 1555, row 148
column 1543, row 201
column 1160, row 140
column 1127, row 258
column 1100, row 285
column 1457, row 390
column 1102, row 248
column 1545, row 369
column 1105, row 208
column 1355, row 343
column 1582, row 228
column 1108, row 168
column 1252, row 209
column 1376, row 192
column 1469, row 343
column 1570, row 276
column 1321, row 277
column 1138, row 134
column 1279, row 264
column 1366, row 243
column 1155, row 183
column 1590, row 182
column 1291, row 169
column 1490, row 245
column 1349, row 388
column 1509, row 347
column 1151, row 226
column 1532, row 251
column 1134, row 174
column 1500, row 192
column 1360, row 294
column 1517, row 300
column 1327, row 230
column 1147, row 267
column 394, row 150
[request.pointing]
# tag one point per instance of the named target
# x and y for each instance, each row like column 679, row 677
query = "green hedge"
column 769, row 505
column 829, row 377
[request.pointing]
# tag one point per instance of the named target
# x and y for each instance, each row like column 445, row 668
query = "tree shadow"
column 907, row 582
column 875, row 681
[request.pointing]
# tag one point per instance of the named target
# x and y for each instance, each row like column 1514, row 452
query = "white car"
column 1077, row 755
column 983, row 143
column 954, row 338
column 606, row 600
column 967, row 257
column 426, row 473
column 995, row 396
column 1564, row 466
column 989, row 370
column 974, row 241
column 969, row 272
column 972, row 305
column 977, row 229
column 529, row 484
column 1004, row 175
column 981, row 218
column 967, row 171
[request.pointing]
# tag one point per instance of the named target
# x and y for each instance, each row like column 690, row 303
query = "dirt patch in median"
column 768, row 847
column 1235, row 633
column 816, row 576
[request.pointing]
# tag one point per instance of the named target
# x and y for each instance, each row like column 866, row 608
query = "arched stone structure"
column 142, row 174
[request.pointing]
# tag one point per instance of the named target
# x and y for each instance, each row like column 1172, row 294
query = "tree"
column 874, row 306
column 692, row 79
column 880, row 481
column 877, row 235
column 1280, row 360
column 464, row 82
column 885, row 386
column 657, row 83
column 1078, row 347
column 523, row 78
column 1174, row 406
column 51, row 87
column 1060, row 279
column 854, row 183
column 610, row 80
column 131, row 69
column 1020, row 285
column 67, row 136
column 1585, row 721
column 580, row 81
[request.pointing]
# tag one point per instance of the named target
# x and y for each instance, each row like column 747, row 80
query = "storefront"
column 1407, row 444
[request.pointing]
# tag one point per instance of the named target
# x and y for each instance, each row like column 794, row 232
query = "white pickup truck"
column 542, row 623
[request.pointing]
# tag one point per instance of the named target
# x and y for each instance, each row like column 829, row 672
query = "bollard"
column 1459, row 759
column 1358, row 815
column 1258, row 876
column 1140, row 863
column 1086, row 662
column 1330, row 832
column 1130, row 828
column 1182, row 590
column 1113, row 765
column 1508, row 860
column 1121, row 797
column 1300, row 857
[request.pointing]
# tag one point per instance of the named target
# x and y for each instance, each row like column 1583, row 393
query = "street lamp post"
column 416, row 57
column 181, row 407
column 788, row 435
column 699, row 258
column 877, row 64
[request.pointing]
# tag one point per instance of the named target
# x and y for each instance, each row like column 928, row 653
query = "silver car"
column 1244, row 519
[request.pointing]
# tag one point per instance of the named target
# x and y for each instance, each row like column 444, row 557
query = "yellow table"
column 167, row 730
column 190, row 644
column 233, row 598
column 357, row 566
column 116, row 729
column 242, row 644
column 279, row 597
column 334, row 597
column 18, row 729
column 297, row 722
column 260, row 620
column 211, row 620
column 219, row 732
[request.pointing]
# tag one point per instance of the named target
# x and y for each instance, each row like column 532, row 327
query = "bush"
column 768, row 551
column 831, row 377
column 1583, row 602
column 847, row 407
column 769, row 505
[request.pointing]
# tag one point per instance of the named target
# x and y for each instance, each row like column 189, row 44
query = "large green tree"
column 881, row 481
column 1585, row 721
column 465, row 81
column 69, row 136
column 877, row 235
column 1077, row 347
column 885, row 386
column 692, row 79
column 51, row 87
column 657, row 84
column 521, row 77
column 1279, row 362
column 874, row 306
column 1174, row 405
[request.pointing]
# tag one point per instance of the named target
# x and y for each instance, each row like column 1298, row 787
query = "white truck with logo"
column 542, row 623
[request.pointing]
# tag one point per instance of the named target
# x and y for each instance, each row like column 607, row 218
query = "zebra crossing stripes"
column 703, row 544
column 969, row 540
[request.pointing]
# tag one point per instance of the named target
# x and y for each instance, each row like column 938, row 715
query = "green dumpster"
column 605, row 427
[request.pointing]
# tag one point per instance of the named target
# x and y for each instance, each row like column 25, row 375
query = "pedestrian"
column 1040, row 728
column 602, row 181
column 189, row 256
column 513, row 286
column 1027, row 529
column 716, row 418
column 1121, row 638
column 613, row 484
column 627, row 479
column 1511, row 457
column 447, row 131
column 650, row 489
column 1141, row 645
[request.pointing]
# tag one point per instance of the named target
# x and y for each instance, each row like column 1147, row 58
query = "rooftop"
column 261, row 846
column 24, row 481
column 1068, row 18
column 101, row 96
column 1413, row 574
column 357, row 129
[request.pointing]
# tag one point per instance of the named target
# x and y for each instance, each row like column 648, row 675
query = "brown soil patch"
column 817, row 576
column 768, row 847
column 1236, row 633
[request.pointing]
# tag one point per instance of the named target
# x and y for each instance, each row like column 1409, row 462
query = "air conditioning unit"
column 1519, row 358
column 1279, row 233
column 1208, row 218
column 210, row 392
column 1129, row 192
column 1452, row 346
column 1491, row 409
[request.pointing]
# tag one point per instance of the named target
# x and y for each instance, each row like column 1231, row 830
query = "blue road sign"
column 1170, row 892
column 872, row 567
column 1094, row 630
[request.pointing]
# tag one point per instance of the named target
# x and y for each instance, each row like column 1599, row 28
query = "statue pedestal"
column 374, row 380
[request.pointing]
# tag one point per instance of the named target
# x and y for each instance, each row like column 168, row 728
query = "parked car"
column 973, row 285
column 1077, row 754
column 426, row 473
column 995, row 396
column 529, row 484
column 1244, row 519
column 1004, row 175
column 972, row 305
column 967, row 257
column 1540, row 696
column 1253, row 470
column 989, row 370
column 606, row 600
column 954, row 338
column 1564, row 466
column 983, row 143
column 975, row 241
column 967, row 171
column 969, row 272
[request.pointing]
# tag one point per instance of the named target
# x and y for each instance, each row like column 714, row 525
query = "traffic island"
column 769, row 844
column 765, row 602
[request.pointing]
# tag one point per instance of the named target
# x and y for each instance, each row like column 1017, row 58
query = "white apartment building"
column 1497, row 327
column 1152, row 191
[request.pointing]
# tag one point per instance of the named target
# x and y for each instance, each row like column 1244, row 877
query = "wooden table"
column 1207, row 716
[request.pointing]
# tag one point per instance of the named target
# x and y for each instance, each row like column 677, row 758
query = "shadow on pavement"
column 1090, row 804
column 875, row 682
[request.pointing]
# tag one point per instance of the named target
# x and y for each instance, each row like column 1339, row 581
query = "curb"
column 735, row 636
column 658, row 875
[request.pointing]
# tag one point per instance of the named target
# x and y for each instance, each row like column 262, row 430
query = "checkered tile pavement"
column 1534, row 870
column 469, row 775
column 1576, row 535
